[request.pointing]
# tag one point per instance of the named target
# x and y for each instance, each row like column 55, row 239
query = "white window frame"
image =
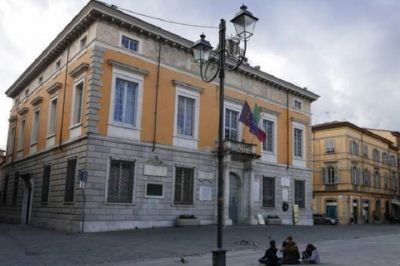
column 297, row 160
column 121, row 130
column 21, row 134
column 184, row 140
column 76, row 129
column 54, row 98
column 301, row 104
column 11, row 138
column 237, row 108
column 132, row 37
column 268, row 155
column 330, row 145
column 151, row 196
column 35, row 127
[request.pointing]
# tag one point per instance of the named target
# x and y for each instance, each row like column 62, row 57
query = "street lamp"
column 213, row 62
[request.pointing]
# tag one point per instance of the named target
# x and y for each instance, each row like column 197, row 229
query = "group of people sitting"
column 290, row 254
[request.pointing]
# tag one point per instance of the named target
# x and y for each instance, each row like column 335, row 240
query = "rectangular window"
column 5, row 189
column 15, row 190
column 299, row 193
column 120, row 182
column 185, row 121
column 58, row 64
column 78, row 98
column 11, row 138
column 298, row 142
column 154, row 190
column 184, row 178
column 330, row 146
column 268, row 192
column 268, row 144
column 46, row 183
column 52, row 117
column 231, row 124
column 21, row 135
column 125, row 102
column 129, row 43
column 70, row 180
column 35, row 127
column 40, row 80
column 298, row 104
column 83, row 42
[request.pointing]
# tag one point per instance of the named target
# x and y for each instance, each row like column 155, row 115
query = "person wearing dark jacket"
column 270, row 258
column 291, row 254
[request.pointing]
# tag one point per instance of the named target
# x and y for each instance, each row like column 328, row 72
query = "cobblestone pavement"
column 23, row 245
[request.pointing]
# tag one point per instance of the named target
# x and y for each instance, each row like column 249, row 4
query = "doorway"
column 331, row 208
column 355, row 211
column 234, row 197
column 27, row 199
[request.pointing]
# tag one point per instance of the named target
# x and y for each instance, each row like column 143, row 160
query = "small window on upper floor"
column 298, row 104
column 40, row 79
column 83, row 42
column 365, row 150
column 58, row 64
column 330, row 146
column 130, row 44
column 26, row 92
column 353, row 147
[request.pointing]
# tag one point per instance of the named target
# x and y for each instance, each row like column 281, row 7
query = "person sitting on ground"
column 270, row 258
column 288, row 238
column 310, row 255
column 291, row 254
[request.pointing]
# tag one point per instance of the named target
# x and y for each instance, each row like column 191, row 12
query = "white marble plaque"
column 205, row 193
column 256, row 191
column 207, row 175
column 260, row 219
column 285, row 182
column 285, row 194
column 155, row 170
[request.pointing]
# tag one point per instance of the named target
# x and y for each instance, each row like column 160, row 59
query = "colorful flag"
column 247, row 118
column 256, row 113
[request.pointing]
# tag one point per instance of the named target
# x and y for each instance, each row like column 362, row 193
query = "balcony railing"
column 330, row 187
column 240, row 148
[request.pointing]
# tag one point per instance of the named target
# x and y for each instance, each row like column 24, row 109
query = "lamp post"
column 212, row 64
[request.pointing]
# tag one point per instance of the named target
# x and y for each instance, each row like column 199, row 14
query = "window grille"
column 299, row 194
column 268, row 192
column 120, row 181
column 46, row 183
column 184, row 178
column 70, row 180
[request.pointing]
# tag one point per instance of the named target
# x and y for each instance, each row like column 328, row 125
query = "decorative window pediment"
column 127, row 67
column 23, row 111
column 53, row 88
column 77, row 71
column 188, row 86
column 38, row 100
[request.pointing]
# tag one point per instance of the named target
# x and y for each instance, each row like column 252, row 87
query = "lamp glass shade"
column 244, row 23
column 202, row 49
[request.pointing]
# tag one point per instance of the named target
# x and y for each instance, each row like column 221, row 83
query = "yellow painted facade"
column 355, row 173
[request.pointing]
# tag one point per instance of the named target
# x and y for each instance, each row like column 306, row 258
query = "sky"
column 347, row 52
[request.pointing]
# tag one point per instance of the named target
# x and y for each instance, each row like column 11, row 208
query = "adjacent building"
column 122, row 101
column 356, row 172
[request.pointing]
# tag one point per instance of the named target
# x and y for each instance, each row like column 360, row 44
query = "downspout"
column 15, row 133
column 288, row 131
column 157, row 89
column 63, row 102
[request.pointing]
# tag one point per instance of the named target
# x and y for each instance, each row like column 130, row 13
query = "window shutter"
column 336, row 175
column 358, row 176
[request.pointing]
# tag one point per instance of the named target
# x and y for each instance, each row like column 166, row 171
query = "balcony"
column 330, row 187
column 240, row 150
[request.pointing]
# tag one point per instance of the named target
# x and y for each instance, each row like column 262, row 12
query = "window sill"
column 183, row 205
column 33, row 143
column 69, row 203
column 153, row 197
column 118, row 204
column 75, row 126
column 121, row 125
column 44, row 203
column 50, row 136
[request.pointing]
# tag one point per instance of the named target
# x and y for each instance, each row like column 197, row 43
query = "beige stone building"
column 356, row 172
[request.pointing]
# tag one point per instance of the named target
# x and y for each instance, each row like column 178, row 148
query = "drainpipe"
column 288, row 131
column 157, row 89
column 63, row 102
